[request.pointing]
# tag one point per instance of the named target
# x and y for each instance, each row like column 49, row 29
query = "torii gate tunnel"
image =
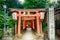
column 29, row 20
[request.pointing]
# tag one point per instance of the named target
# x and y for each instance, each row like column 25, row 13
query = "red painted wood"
column 30, row 17
column 33, row 24
column 19, row 24
column 38, row 25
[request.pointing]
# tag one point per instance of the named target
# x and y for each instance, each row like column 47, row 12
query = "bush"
column 1, row 33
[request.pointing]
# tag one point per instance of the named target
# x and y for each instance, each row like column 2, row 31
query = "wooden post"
column 33, row 23
column 19, row 23
column 38, row 25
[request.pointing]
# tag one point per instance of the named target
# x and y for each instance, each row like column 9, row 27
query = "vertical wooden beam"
column 33, row 23
column 19, row 23
column 37, row 21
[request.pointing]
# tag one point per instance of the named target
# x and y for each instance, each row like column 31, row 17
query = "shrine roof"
column 14, row 9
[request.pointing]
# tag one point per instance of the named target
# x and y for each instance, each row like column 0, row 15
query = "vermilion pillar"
column 36, row 15
column 38, row 25
column 19, row 23
column 33, row 23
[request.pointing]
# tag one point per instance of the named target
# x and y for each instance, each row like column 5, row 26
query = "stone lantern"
column 42, row 15
column 14, row 15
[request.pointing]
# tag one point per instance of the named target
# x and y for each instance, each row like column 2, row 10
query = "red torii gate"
column 36, row 16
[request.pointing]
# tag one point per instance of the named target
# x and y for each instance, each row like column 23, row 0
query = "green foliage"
column 1, row 18
column 44, row 24
column 58, row 4
column 1, row 33
column 9, row 20
column 13, row 4
column 1, row 22
column 34, row 4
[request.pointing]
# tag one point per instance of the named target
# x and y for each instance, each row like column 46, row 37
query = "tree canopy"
column 28, row 4
column 35, row 4
column 58, row 4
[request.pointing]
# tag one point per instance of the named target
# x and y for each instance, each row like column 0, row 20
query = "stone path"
column 28, row 35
